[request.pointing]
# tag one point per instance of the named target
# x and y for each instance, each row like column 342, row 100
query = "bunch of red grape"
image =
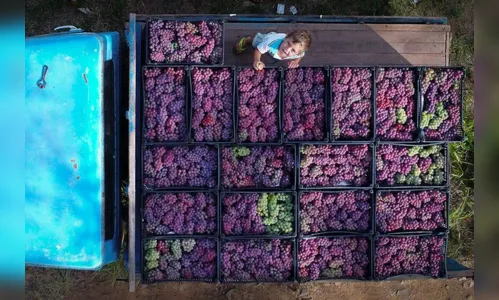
column 352, row 110
column 212, row 104
column 304, row 102
column 185, row 42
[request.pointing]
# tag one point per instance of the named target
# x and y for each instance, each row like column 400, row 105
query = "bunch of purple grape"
column 352, row 110
column 257, row 260
column 304, row 101
column 185, row 42
column 165, row 105
column 342, row 211
column 341, row 257
column 441, row 116
column 410, row 165
column 180, row 213
column 423, row 255
column 180, row 259
column 212, row 104
column 335, row 165
column 180, row 166
column 258, row 103
column 414, row 210
column 395, row 104
column 257, row 166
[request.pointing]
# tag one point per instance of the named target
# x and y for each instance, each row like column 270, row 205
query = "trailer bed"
column 354, row 44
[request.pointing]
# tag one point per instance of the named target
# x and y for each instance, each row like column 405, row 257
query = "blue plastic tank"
column 72, row 84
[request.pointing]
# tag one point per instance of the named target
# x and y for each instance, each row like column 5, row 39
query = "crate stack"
column 314, row 173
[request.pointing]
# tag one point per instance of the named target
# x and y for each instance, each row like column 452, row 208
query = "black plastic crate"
column 216, row 263
column 192, row 19
column 421, row 101
column 372, row 222
column 278, row 106
column 234, row 104
column 285, row 139
column 259, row 188
column 443, row 264
column 370, row 267
column 417, row 89
column 294, row 254
column 186, row 114
column 259, row 235
column 401, row 186
column 407, row 232
column 370, row 175
column 145, row 188
column 215, row 233
column 372, row 126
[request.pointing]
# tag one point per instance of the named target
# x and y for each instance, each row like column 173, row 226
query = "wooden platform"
column 354, row 44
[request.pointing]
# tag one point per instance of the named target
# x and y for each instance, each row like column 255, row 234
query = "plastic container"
column 442, row 274
column 283, row 107
column 243, row 239
column 180, row 188
column 192, row 19
column 405, row 232
column 372, row 125
column 370, row 267
column 337, row 232
column 417, row 89
column 370, row 175
column 421, row 105
column 278, row 106
column 186, row 114
column 216, row 264
column 213, row 193
column 259, row 188
column 259, row 235
column 401, row 186
column 234, row 108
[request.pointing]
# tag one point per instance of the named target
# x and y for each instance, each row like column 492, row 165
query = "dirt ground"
column 93, row 285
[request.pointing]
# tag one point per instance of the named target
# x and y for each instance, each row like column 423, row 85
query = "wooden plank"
column 337, row 27
column 348, row 58
column 448, row 41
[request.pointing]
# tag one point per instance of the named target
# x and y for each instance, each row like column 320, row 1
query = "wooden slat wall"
column 355, row 44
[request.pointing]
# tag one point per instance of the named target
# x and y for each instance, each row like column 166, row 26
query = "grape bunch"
column 258, row 105
column 342, row 211
column 165, row 105
column 395, row 104
column 410, row 210
column 410, row 165
column 257, row 213
column 423, row 255
column 340, row 257
column 304, row 101
column 180, row 259
column 180, row 166
column 185, row 42
column 212, row 104
column 257, row 260
column 352, row 110
column 257, row 166
column 335, row 165
column 441, row 116
column 180, row 213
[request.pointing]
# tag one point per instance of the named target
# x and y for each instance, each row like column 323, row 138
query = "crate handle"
column 70, row 27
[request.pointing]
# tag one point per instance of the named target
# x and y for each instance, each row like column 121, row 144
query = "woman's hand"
column 295, row 63
column 258, row 65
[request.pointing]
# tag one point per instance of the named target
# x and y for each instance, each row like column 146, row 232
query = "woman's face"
column 288, row 48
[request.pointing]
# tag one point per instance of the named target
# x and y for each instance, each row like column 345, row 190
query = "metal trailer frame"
column 134, row 38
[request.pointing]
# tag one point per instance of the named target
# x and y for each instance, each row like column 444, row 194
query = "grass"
column 43, row 16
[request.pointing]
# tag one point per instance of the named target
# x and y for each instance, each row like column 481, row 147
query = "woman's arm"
column 257, row 63
column 295, row 63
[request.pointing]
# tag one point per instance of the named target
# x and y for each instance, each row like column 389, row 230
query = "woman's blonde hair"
column 302, row 37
